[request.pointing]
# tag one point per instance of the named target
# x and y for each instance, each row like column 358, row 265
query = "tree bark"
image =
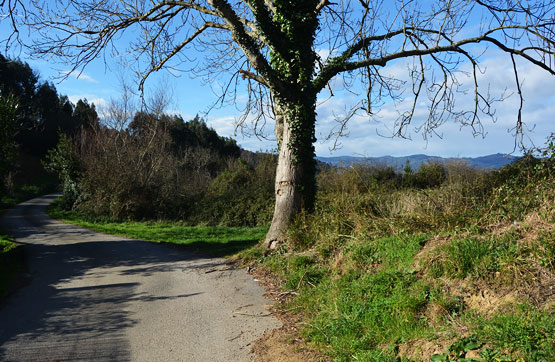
column 295, row 172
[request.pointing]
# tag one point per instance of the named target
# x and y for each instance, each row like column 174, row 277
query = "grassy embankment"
column 214, row 240
column 460, row 272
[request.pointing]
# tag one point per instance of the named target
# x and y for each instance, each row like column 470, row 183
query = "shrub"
column 241, row 195
column 63, row 161
column 429, row 175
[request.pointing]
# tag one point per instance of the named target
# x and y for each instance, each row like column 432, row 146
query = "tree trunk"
column 295, row 173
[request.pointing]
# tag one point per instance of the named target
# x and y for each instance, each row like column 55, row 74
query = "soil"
column 284, row 344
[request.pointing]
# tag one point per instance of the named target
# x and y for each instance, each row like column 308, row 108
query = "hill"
column 494, row 161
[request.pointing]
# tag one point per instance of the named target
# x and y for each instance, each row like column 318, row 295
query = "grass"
column 10, row 262
column 527, row 330
column 213, row 240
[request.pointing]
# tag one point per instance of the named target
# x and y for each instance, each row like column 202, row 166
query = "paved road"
column 96, row 297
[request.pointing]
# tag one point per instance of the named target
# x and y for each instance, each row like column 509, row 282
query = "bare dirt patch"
column 422, row 350
column 284, row 344
column 488, row 302
column 426, row 255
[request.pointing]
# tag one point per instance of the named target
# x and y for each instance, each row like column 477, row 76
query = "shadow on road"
column 72, row 310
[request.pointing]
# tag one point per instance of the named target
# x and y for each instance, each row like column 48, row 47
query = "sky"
column 100, row 82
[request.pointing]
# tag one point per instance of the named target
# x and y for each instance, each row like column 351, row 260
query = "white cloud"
column 79, row 76
column 538, row 88
column 224, row 126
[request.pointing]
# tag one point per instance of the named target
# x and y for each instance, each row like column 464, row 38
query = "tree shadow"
column 215, row 249
column 72, row 309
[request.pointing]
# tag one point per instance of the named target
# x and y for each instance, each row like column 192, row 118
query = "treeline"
column 32, row 116
column 135, row 164
column 163, row 167
column 41, row 113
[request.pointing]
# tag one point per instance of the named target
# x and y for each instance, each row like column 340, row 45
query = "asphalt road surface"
column 96, row 297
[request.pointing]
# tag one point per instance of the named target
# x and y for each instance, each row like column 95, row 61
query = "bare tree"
column 286, row 52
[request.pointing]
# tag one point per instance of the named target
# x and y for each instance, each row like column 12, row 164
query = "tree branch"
column 178, row 48
column 245, row 74
column 341, row 64
column 247, row 44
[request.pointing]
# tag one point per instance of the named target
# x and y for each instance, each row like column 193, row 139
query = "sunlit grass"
column 215, row 240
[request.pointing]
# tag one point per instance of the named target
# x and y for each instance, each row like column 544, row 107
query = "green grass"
column 214, row 240
column 526, row 332
column 357, row 311
column 360, row 315
column 369, row 301
column 10, row 262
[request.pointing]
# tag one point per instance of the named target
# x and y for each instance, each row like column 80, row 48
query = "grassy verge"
column 26, row 192
column 214, row 240
column 10, row 252
column 10, row 262
column 461, row 272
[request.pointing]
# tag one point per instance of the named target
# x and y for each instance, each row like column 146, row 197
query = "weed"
column 528, row 331
column 469, row 256
column 546, row 252
column 457, row 351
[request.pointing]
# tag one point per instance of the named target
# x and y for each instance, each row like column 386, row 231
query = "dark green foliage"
column 23, row 192
column 359, row 178
column 20, row 81
column 8, row 130
column 367, row 178
column 185, row 134
column 63, row 162
column 429, row 175
column 84, row 116
column 240, row 195
column 41, row 113
column 40, row 117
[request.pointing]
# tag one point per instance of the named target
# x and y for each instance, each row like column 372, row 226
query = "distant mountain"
column 487, row 162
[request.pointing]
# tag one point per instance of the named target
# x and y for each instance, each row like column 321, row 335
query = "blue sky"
column 99, row 82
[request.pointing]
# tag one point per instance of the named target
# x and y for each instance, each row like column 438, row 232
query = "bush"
column 429, row 175
column 242, row 195
column 126, row 177
column 359, row 178
column 63, row 161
